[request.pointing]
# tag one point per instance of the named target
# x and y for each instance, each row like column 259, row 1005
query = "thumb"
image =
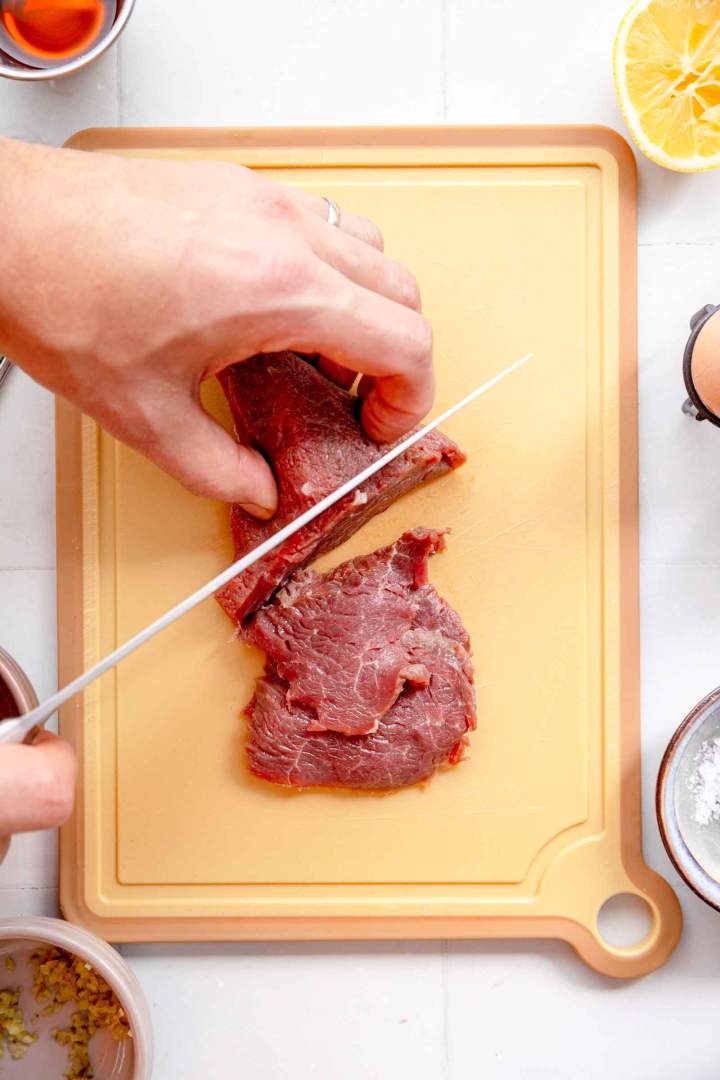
column 37, row 785
column 191, row 446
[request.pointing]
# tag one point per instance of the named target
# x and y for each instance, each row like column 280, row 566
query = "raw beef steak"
column 421, row 723
column 309, row 430
column 344, row 641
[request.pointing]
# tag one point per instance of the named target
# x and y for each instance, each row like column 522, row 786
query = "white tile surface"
column 377, row 1011
column 27, row 456
column 527, row 63
column 317, row 1011
column 31, row 863
column 281, row 62
column 32, row 900
column 27, row 629
column 518, row 1011
column 49, row 112
column 551, row 63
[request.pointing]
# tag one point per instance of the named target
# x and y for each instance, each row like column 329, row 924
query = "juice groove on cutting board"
column 522, row 240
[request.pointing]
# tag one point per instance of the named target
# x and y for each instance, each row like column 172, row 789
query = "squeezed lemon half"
column 667, row 78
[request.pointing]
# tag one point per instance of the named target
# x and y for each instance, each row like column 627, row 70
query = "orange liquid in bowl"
column 46, row 33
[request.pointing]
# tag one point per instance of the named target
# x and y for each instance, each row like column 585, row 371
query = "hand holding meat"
column 127, row 283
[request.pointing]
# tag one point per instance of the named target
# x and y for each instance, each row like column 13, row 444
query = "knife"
column 5, row 366
column 25, row 728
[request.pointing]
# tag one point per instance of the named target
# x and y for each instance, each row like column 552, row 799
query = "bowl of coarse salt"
column 688, row 799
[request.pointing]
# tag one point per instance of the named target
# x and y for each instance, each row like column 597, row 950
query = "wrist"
column 21, row 172
column 39, row 200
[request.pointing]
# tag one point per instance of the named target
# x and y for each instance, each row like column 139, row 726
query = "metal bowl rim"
column 28, row 74
column 662, row 794
column 17, row 682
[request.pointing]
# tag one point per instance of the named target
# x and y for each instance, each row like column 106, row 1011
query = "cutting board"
column 522, row 239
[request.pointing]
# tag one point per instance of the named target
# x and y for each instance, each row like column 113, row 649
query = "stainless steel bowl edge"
column 10, row 69
column 17, row 682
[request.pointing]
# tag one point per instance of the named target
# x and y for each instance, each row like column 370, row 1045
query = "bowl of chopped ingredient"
column 69, row 1006
column 688, row 799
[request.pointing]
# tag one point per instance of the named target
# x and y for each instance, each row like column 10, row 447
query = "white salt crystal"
column 704, row 782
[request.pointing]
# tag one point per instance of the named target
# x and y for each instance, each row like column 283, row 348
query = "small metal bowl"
column 15, row 69
column 694, row 849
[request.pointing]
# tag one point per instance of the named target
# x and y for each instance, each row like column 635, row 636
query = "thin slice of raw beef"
column 343, row 641
column 308, row 428
column 426, row 724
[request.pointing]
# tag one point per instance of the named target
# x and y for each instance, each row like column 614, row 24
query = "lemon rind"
column 645, row 144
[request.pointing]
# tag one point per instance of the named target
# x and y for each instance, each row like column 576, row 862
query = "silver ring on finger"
column 333, row 214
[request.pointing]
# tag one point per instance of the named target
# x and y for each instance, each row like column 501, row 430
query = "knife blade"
column 5, row 366
column 25, row 727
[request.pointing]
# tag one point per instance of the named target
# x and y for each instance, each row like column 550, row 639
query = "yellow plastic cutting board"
column 522, row 240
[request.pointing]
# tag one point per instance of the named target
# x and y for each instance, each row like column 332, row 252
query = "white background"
column 431, row 1011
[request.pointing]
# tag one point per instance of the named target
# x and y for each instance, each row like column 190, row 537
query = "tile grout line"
column 445, row 964
column 679, row 243
column 443, row 58
column 27, row 569
column 118, row 83
column 28, row 888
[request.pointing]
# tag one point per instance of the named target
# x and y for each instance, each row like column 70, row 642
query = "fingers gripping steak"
column 308, row 428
